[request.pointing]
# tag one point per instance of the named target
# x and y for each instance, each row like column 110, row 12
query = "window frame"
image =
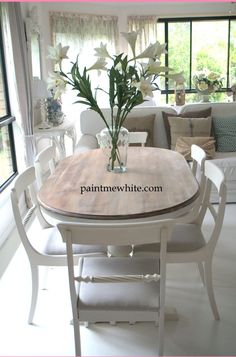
column 8, row 119
column 166, row 21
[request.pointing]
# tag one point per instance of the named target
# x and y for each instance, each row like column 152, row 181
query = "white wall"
column 122, row 10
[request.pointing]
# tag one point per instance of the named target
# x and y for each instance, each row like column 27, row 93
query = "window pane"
column 3, row 107
column 209, row 47
column 179, row 49
column 6, row 167
column 232, row 63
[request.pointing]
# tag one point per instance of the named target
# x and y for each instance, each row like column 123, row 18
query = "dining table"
column 158, row 183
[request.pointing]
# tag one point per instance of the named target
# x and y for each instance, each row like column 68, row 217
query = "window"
column 197, row 44
column 82, row 33
column 8, row 168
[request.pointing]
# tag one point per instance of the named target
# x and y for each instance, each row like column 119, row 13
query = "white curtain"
column 83, row 33
column 147, row 25
column 19, row 77
column 147, row 28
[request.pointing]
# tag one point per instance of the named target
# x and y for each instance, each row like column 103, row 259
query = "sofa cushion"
column 144, row 123
column 91, row 123
column 189, row 114
column 184, row 143
column 188, row 127
column 225, row 133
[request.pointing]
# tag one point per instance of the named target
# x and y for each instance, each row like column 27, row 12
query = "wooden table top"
column 81, row 186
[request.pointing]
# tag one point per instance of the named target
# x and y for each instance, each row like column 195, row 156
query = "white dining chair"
column 43, row 245
column 113, row 289
column 138, row 137
column 198, row 156
column 188, row 244
column 45, row 163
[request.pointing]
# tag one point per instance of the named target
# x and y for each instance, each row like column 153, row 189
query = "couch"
column 91, row 124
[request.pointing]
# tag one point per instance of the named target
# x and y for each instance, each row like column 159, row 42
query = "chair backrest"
column 214, row 176
column 199, row 156
column 198, row 166
column 117, row 234
column 45, row 163
column 138, row 137
column 25, row 183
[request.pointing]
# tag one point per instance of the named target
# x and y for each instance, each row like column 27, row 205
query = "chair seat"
column 184, row 238
column 51, row 244
column 140, row 296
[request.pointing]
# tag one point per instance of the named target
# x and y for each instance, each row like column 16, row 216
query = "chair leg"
column 162, row 293
column 210, row 291
column 35, row 288
column 45, row 278
column 201, row 271
column 161, row 323
column 77, row 338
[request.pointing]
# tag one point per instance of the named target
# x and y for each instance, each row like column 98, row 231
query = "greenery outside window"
column 198, row 44
column 8, row 167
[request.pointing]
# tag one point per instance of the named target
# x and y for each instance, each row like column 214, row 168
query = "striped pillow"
column 225, row 134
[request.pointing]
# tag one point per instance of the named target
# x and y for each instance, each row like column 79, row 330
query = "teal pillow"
column 225, row 133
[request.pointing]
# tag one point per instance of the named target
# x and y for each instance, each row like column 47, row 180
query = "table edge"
column 122, row 217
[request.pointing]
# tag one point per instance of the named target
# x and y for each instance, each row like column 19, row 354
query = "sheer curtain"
column 147, row 25
column 19, row 76
column 83, row 33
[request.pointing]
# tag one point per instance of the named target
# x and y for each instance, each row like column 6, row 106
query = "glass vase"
column 114, row 143
column 205, row 98
column 205, row 94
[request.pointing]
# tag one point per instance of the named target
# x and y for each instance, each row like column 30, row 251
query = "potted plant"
column 206, row 83
column 130, row 82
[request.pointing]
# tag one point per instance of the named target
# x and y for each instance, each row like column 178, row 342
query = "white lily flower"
column 102, row 51
column 177, row 77
column 154, row 50
column 131, row 38
column 156, row 68
column 57, row 83
column 145, row 87
column 161, row 49
column 100, row 65
column 58, row 53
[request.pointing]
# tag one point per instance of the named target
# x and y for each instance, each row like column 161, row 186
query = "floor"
column 195, row 333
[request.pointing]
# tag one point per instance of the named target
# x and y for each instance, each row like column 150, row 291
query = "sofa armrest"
column 86, row 142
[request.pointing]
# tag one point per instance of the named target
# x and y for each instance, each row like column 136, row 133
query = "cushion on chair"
column 227, row 163
column 119, row 296
column 185, row 237
column 51, row 243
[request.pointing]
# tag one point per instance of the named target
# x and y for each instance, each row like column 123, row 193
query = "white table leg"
column 71, row 133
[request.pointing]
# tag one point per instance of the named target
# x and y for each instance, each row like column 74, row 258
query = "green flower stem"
column 115, row 153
